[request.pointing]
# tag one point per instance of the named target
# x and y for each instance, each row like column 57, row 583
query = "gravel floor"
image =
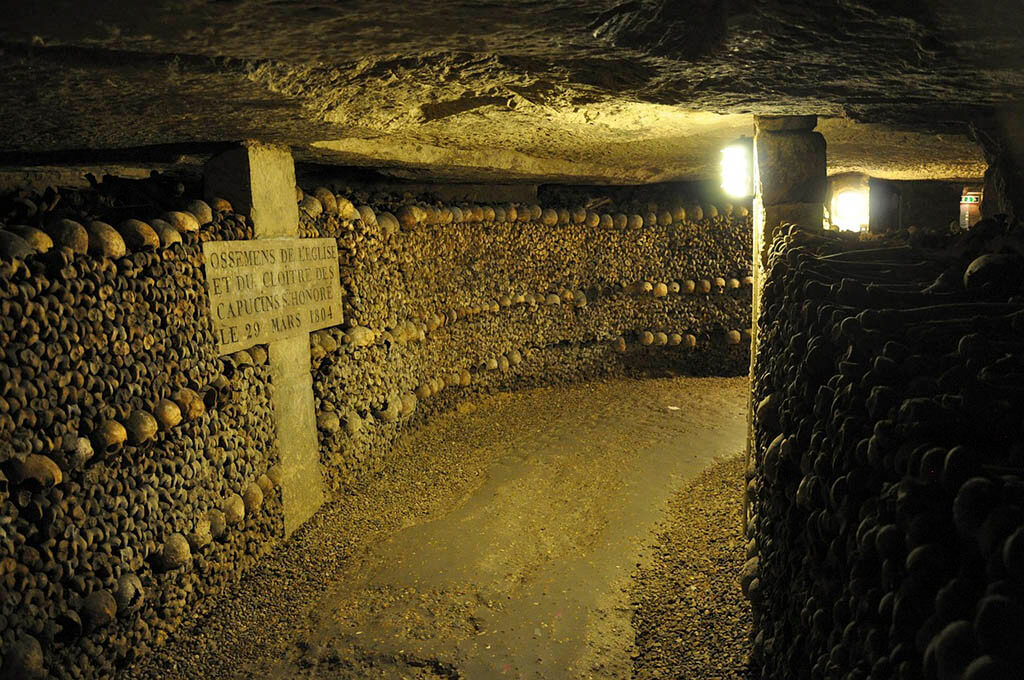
column 691, row 619
column 500, row 543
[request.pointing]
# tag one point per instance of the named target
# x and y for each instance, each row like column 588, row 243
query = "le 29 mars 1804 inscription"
column 268, row 289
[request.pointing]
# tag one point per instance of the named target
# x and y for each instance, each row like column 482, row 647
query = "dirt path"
column 691, row 620
column 502, row 544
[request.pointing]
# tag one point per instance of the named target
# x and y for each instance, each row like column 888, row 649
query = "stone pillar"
column 259, row 180
column 790, row 177
column 790, row 183
column 1002, row 141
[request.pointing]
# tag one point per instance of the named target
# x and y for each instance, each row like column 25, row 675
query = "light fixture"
column 737, row 176
column 851, row 210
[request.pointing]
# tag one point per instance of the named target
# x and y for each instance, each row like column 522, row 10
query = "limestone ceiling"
column 549, row 90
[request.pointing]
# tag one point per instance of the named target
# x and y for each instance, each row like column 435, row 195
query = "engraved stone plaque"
column 269, row 289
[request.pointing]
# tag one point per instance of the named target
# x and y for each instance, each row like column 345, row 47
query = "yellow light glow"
column 736, row 179
column 851, row 210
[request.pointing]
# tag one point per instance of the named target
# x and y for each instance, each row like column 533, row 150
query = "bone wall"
column 137, row 469
column 887, row 483
column 447, row 302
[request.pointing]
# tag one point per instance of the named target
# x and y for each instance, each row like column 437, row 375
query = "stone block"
column 785, row 123
column 295, row 420
column 259, row 181
column 289, row 357
column 301, row 478
column 790, row 167
column 804, row 214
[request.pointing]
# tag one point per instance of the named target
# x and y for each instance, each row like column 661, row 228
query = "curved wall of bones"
column 887, row 487
column 138, row 470
column 445, row 302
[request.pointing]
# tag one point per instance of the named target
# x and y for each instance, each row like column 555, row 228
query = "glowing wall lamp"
column 737, row 169
column 851, row 209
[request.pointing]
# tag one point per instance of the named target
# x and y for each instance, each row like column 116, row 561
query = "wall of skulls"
column 137, row 469
column 887, row 486
column 443, row 303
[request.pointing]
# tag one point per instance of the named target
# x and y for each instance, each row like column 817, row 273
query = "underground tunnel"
column 512, row 340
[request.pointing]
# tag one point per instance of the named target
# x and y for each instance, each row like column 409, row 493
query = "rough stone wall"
column 446, row 302
column 887, row 486
column 136, row 467
column 1003, row 143
column 899, row 205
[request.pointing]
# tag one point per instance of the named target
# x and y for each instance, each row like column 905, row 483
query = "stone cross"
column 259, row 181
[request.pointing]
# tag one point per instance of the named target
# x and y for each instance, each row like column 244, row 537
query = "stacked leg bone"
column 887, row 484
column 124, row 436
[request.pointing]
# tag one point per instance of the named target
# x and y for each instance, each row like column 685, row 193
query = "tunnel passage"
column 146, row 472
column 142, row 470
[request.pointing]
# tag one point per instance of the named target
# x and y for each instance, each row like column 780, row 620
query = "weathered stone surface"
column 248, row 176
column 784, row 123
column 805, row 214
column 791, row 167
column 301, row 482
column 554, row 97
column 261, row 179
column 790, row 185
column 243, row 274
column 1003, row 145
